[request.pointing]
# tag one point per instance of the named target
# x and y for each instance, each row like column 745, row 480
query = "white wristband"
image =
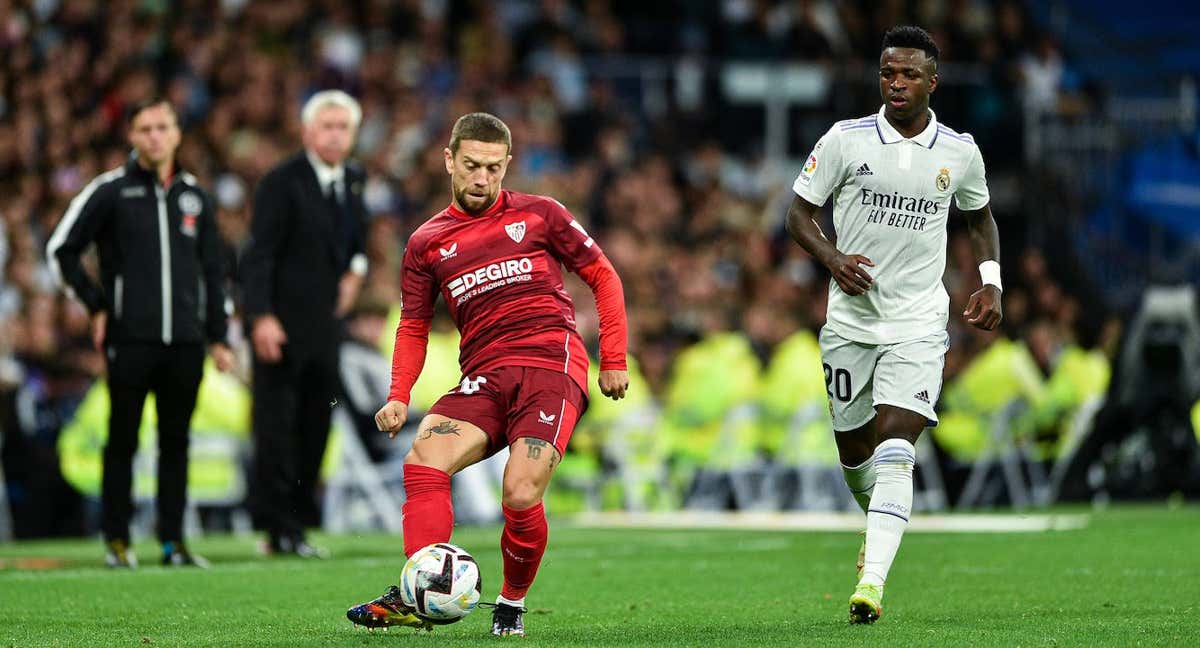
column 989, row 272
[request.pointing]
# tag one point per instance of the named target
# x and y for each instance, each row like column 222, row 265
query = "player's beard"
column 461, row 196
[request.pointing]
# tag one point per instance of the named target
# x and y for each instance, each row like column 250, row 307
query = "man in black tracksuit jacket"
column 160, row 300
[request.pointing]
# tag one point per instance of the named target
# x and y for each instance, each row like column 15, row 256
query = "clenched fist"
column 613, row 383
column 391, row 417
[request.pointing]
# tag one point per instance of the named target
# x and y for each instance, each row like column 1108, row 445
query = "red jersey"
column 500, row 273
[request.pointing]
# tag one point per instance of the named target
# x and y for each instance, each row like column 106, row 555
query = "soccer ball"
column 442, row 582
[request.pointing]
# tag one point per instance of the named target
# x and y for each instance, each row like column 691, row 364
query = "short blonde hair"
column 331, row 98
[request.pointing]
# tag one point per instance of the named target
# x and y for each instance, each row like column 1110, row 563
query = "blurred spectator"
column 365, row 374
column 1042, row 75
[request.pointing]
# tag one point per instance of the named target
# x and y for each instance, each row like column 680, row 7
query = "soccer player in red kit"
column 495, row 256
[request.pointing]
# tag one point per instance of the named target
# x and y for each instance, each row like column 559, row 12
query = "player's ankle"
column 512, row 602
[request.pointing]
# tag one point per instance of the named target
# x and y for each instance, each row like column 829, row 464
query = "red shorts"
column 509, row 403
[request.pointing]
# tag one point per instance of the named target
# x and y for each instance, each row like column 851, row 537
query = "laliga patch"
column 810, row 167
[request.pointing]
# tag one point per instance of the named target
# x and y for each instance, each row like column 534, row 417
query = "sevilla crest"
column 516, row 231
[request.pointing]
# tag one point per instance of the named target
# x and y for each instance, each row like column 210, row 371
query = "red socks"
column 429, row 519
column 428, row 511
column 522, row 545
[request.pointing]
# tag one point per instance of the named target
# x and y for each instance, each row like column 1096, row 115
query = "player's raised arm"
column 984, row 310
column 846, row 269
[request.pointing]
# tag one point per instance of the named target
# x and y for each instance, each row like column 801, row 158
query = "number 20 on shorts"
column 837, row 383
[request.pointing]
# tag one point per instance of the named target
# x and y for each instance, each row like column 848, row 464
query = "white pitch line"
column 761, row 521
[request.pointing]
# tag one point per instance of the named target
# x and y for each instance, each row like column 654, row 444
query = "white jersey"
column 891, row 197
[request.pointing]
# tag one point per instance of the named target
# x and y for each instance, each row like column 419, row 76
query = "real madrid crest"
column 943, row 179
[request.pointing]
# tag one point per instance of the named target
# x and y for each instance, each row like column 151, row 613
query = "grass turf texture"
column 1131, row 577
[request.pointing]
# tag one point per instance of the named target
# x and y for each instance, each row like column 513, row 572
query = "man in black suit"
column 302, row 271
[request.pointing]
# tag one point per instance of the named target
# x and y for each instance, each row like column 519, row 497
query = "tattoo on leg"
column 443, row 428
column 535, row 448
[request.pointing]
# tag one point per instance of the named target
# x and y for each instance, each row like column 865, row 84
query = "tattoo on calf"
column 443, row 428
column 535, row 448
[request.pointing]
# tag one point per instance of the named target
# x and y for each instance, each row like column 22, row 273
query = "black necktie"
column 333, row 195
column 343, row 223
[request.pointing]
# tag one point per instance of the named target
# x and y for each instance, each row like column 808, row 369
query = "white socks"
column 516, row 604
column 861, row 481
column 891, row 502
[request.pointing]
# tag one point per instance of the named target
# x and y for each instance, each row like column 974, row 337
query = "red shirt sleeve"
column 419, row 291
column 569, row 242
column 610, row 305
column 418, row 286
column 408, row 357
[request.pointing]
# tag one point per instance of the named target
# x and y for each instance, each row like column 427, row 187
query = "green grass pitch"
column 1131, row 577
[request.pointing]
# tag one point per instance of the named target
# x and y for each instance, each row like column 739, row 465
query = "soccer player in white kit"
column 892, row 176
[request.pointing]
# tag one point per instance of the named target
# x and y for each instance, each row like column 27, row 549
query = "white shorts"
column 859, row 377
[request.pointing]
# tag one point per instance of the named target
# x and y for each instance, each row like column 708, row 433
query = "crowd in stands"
column 683, row 202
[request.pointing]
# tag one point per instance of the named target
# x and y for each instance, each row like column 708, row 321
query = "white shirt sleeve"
column 973, row 192
column 822, row 170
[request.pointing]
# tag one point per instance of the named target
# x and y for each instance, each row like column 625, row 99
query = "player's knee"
column 896, row 423
column 449, row 460
column 854, row 454
column 521, row 493
column 855, row 446
column 419, row 455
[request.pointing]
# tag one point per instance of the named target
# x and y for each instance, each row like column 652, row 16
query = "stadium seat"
column 986, row 426
column 615, row 448
column 708, row 415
